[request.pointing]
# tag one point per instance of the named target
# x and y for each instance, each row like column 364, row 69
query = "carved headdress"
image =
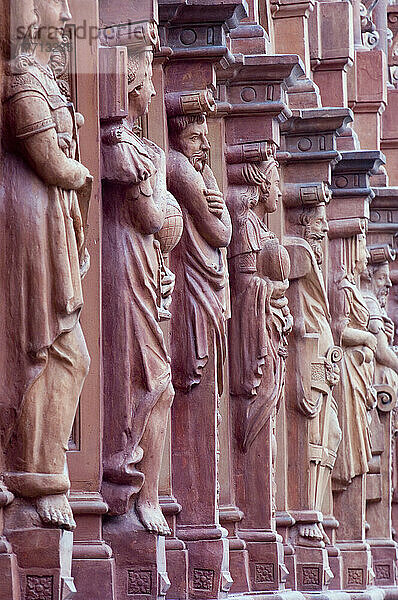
column 145, row 41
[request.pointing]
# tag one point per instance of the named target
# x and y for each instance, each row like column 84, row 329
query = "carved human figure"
column 197, row 261
column 376, row 284
column 260, row 317
column 317, row 370
column 136, row 283
column 356, row 390
column 43, row 261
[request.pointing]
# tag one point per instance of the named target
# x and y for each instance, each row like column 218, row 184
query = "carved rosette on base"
column 376, row 284
column 355, row 393
column 45, row 360
column 259, row 268
column 142, row 224
column 198, row 340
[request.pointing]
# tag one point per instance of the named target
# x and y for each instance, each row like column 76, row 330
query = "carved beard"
column 198, row 161
column 315, row 241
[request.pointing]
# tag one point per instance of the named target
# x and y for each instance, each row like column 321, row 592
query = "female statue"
column 357, row 393
column 138, row 229
column 43, row 261
column 259, row 271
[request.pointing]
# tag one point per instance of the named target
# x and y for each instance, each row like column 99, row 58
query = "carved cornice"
column 351, row 186
column 310, row 135
column 256, row 87
column 113, row 13
column 383, row 224
column 318, row 120
column 228, row 13
column 182, row 27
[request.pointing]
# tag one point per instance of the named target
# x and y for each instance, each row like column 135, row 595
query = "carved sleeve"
column 34, row 129
column 33, row 124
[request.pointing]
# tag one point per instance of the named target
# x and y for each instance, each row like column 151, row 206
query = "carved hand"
column 289, row 321
column 389, row 329
column 215, row 202
column 167, row 283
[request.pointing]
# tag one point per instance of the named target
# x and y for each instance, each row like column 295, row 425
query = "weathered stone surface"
column 235, row 432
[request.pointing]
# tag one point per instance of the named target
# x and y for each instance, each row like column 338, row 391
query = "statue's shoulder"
column 24, row 78
column 126, row 158
column 301, row 256
column 176, row 160
column 16, row 83
column 375, row 312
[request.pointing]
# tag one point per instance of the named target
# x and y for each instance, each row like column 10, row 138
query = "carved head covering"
column 258, row 174
column 140, row 51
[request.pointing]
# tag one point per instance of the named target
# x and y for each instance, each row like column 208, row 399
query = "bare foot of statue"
column 56, row 511
column 152, row 518
column 311, row 531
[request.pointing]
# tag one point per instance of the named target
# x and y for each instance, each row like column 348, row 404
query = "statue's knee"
column 335, row 434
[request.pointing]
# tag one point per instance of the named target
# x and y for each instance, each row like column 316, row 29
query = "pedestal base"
column 140, row 558
column 43, row 555
column 313, row 570
column 177, row 569
column 92, row 564
column 9, row 580
column 239, row 569
column 385, row 562
column 356, row 561
column 208, row 562
column 266, row 561
column 335, row 565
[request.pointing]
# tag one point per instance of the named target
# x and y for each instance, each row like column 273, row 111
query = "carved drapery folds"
column 357, row 366
column 233, row 435
column 259, row 269
column 142, row 223
column 198, row 262
column 43, row 185
column 314, row 357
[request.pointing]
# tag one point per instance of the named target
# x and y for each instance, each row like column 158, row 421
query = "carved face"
column 53, row 14
column 315, row 229
column 272, row 195
column 193, row 143
column 141, row 91
column 381, row 283
column 318, row 224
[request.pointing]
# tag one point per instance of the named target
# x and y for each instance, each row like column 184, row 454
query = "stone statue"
column 356, row 390
column 376, row 284
column 198, row 262
column 142, row 221
column 44, row 260
column 260, row 317
column 315, row 355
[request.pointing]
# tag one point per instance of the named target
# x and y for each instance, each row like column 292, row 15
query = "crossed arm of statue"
column 201, row 196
